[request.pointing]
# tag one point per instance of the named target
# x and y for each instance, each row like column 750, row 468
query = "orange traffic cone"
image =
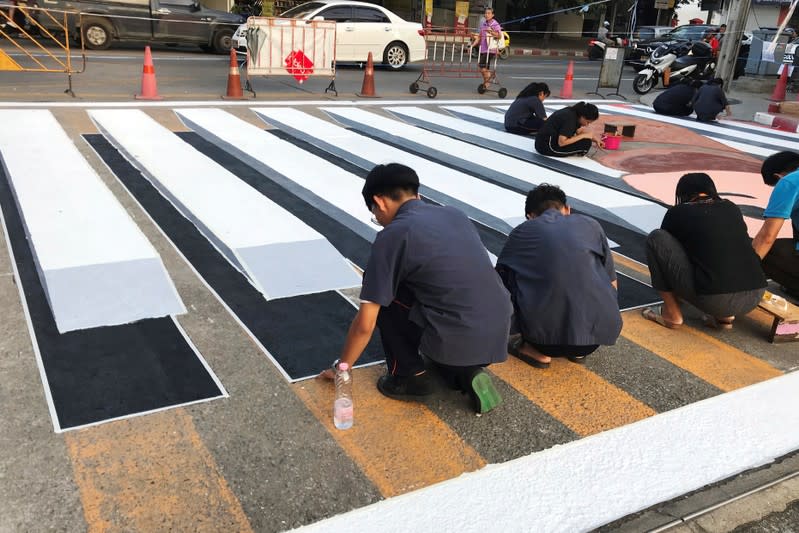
column 234, row 91
column 566, row 92
column 779, row 90
column 368, row 87
column 149, row 90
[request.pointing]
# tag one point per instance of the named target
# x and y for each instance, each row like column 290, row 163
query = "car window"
column 368, row 14
column 300, row 11
column 693, row 32
column 646, row 33
column 337, row 13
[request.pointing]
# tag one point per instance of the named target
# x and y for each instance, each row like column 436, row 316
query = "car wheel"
column 223, row 41
column 97, row 34
column 396, row 55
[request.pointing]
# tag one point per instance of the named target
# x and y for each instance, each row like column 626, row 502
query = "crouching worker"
column 677, row 100
column 430, row 289
column 781, row 256
column 559, row 271
column 565, row 132
column 702, row 254
column 526, row 114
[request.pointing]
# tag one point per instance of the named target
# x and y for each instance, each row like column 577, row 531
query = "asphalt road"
column 183, row 73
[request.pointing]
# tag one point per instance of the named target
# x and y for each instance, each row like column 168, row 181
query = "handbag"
column 496, row 45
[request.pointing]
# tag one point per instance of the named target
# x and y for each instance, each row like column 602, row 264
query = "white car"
column 360, row 28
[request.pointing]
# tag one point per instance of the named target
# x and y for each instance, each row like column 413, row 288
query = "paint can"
column 612, row 142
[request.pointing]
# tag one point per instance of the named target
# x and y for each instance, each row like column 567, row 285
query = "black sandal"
column 514, row 348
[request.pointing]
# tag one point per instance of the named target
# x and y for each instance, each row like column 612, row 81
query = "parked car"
column 360, row 28
column 641, row 50
column 648, row 33
column 156, row 21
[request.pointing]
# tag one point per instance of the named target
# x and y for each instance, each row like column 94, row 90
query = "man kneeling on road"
column 781, row 256
column 430, row 288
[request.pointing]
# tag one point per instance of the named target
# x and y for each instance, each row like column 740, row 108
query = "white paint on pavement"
column 279, row 254
column 95, row 264
column 589, row 482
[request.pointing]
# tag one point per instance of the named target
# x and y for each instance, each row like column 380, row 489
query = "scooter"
column 684, row 59
column 596, row 48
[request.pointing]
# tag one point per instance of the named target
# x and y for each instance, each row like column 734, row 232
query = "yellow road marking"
column 577, row 397
column 716, row 362
column 151, row 473
column 400, row 446
column 6, row 63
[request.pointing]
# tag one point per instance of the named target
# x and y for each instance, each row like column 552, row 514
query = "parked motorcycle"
column 685, row 59
column 596, row 48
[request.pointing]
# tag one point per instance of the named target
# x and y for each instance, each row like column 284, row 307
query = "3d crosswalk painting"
column 265, row 205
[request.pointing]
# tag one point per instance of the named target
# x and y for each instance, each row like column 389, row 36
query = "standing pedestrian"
column 489, row 34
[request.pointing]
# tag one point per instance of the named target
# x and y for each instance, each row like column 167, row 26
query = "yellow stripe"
column 151, row 473
column 6, row 63
column 719, row 364
column 400, row 446
column 575, row 396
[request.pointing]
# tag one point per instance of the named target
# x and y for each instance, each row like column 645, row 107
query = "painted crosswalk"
column 268, row 178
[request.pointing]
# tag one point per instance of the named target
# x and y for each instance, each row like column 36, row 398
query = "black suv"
column 641, row 50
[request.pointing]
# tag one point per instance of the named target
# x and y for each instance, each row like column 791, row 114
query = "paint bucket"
column 612, row 142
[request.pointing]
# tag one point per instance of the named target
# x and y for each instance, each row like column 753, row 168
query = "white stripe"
column 589, row 482
column 496, row 201
column 97, row 267
column 510, row 139
column 326, row 180
column 197, row 274
column 280, row 254
column 607, row 198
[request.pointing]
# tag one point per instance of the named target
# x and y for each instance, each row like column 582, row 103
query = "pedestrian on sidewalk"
column 710, row 100
column 565, row 132
column 489, row 32
column 430, row 288
column 781, row 256
column 678, row 99
column 526, row 114
column 560, row 274
column 702, row 254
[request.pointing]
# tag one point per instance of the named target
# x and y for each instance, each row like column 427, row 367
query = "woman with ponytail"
column 564, row 133
column 702, row 254
column 526, row 114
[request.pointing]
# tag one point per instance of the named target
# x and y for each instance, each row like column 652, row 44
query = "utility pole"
column 731, row 43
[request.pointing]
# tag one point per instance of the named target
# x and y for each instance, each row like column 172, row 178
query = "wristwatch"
column 335, row 365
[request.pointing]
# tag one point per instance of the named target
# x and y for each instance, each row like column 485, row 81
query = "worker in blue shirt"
column 781, row 256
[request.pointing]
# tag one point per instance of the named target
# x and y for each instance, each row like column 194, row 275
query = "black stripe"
column 108, row 372
column 303, row 334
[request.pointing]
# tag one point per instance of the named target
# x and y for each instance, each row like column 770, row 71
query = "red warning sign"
column 299, row 65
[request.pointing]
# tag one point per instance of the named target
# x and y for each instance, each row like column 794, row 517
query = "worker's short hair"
column 544, row 197
column 778, row 163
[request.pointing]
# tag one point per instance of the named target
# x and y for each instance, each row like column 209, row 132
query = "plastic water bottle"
column 342, row 407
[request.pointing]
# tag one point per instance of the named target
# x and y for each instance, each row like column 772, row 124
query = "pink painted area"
column 742, row 188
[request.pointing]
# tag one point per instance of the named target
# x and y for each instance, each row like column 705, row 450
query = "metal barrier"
column 451, row 55
column 290, row 47
column 42, row 30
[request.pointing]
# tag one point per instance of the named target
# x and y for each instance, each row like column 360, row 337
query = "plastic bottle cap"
column 343, row 366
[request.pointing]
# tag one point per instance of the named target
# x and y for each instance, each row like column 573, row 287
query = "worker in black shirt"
column 702, row 254
column 678, row 99
column 430, row 288
column 564, row 133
